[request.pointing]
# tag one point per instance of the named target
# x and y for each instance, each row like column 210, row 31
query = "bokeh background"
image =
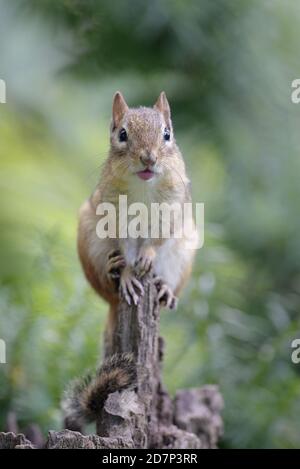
column 227, row 68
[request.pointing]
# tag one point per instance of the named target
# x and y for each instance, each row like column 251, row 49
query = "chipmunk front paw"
column 165, row 295
column 144, row 263
column 115, row 264
column 130, row 287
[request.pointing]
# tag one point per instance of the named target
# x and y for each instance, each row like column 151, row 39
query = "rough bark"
column 14, row 441
column 145, row 417
column 134, row 414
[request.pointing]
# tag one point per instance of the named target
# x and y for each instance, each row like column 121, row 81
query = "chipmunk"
column 145, row 164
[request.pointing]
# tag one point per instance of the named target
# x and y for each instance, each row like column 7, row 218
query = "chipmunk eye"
column 166, row 134
column 123, row 135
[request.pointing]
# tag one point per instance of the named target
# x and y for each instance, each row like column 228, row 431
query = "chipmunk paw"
column 115, row 264
column 130, row 287
column 165, row 295
column 144, row 263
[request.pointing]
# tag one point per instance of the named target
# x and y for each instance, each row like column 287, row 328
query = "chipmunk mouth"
column 146, row 174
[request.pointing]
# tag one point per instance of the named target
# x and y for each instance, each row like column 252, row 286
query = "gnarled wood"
column 145, row 417
column 149, row 416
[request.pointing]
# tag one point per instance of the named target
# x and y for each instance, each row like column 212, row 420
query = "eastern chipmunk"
column 145, row 164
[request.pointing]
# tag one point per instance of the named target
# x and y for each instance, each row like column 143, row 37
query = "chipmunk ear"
column 118, row 109
column 162, row 104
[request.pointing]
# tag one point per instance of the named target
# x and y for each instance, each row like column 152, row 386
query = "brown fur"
column 144, row 127
column 84, row 399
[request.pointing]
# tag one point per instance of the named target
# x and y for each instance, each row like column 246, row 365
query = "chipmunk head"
column 142, row 139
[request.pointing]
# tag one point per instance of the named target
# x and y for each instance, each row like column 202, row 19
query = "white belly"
column 170, row 262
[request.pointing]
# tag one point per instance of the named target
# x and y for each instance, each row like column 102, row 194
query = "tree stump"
column 145, row 417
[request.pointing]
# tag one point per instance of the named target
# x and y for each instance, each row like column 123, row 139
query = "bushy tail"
column 85, row 397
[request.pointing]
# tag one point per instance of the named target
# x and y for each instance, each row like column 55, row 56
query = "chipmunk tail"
column 85, row 397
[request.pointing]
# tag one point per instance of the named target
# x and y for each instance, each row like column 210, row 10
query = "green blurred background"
column 227, row 68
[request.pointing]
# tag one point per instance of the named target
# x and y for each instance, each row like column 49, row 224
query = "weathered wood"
column 198, row 411
column 12, row 441
column 134, row 414
column 148, row 416
column 67, row 439
column 145, row 417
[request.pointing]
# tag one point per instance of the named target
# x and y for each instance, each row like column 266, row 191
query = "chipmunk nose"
column 148, row 158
